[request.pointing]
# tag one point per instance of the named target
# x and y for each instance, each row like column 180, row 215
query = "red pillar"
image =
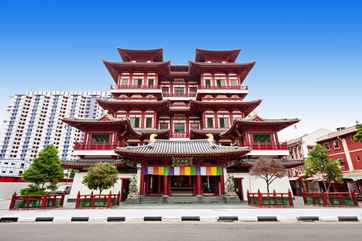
column 198, row 185
column 222, row 184
column 142, row 182
column 165, row 185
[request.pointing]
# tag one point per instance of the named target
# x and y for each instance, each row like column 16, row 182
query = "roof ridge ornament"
column 153, row 138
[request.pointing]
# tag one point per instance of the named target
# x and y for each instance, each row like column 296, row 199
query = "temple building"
column 180, row 130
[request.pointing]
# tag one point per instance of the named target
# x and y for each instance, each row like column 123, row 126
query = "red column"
column 198, row 185
column 222, row 184
column 165, row 185
column 142, row 182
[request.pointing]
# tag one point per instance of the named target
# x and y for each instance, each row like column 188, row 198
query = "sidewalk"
column 176, row 213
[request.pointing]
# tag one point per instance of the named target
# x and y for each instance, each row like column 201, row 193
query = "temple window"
column 148, row 122
column 163, row 125
column 234, row 82
column 165, row 90
column 207, row 82
column 179, row 127
column 336, row 144
column 195, row 125
column 223, row 122
column 220, row 82
column 193, row 90
column 210, row 122
column 262, row 138
column 137, row 82
column 179, row 90
column 151, row 82
column 135, row 122
column 100, row 138
column 124, row 81
column 326, row 146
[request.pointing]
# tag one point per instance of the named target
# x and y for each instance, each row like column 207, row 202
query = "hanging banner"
column 183, row 171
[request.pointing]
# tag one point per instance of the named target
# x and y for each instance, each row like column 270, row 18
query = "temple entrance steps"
column 183, row 200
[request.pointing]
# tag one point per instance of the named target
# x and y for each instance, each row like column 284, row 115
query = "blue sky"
column 308, row 53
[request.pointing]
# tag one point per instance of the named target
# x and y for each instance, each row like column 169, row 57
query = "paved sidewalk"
column 175, row 214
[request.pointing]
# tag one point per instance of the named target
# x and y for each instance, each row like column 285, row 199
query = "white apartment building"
column 33, row 120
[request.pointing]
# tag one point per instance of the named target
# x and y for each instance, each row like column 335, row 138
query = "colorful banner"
column 183, row 171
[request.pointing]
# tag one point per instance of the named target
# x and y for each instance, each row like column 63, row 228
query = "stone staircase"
column 154, row 200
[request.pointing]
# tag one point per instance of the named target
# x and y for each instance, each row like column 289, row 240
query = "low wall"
column 7, row 189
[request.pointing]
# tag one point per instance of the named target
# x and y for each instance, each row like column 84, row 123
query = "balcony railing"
column 117, row 86
column 260, row 146
column 179, row 135
column 179, row 94
column 216, row 87
column 87, row 146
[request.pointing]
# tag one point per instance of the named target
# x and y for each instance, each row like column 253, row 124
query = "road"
column 181, row 232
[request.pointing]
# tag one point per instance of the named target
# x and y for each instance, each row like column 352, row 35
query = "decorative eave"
column 196, row 68
column 84, row 164
column 245, row 106
column 115, row 68
column 203, row 55
column 287, row 163
column 161, row 106
column 168, row 149
column 103, row 124
column 201, row 133
column 240, row 125
column 144, row 55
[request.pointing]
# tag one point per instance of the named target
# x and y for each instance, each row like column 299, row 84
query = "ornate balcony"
column 95, row 147
column 179, row 94
column 216, row 87
column 259, row 146
column 117, row 86
column 180, row 135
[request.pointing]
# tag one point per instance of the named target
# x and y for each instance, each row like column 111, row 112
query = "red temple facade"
column 180, row 129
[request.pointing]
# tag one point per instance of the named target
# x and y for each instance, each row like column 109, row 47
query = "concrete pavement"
column 181, row 232
column 176, row 214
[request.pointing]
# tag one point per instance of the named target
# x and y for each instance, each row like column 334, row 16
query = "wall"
column 254, row 183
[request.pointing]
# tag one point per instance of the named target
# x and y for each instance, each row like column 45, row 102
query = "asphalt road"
column 181, row 232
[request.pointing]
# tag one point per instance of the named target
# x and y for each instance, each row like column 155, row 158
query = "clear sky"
column 308, row 53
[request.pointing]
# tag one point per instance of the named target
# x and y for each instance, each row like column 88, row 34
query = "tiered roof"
column 203, row 55
column 145, row 55
column 245, row 106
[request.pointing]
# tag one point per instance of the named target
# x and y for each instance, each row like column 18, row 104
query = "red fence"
column 116, row 86
column 213, row 87
column 274, row 199
column 36, row 201
column 281, row 146
column 86, row 146
column 330, row 199
column 179, row 94
column 97, row 200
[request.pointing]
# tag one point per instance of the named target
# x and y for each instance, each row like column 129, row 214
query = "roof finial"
column 210, row 138
column 153, row 138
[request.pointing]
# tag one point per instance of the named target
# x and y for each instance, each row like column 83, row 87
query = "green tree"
column 358, row 135
column 101, row 176
column 44, row 172
column 318, row 163
column 268, row 169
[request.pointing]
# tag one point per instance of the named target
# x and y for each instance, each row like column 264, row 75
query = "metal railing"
column 118, row 86
column 224, row 87
column 261, row 146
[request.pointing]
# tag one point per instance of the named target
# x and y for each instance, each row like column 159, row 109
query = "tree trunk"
column 267, row 186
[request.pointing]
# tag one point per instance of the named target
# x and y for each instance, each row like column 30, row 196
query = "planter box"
column 271, row 200
column 330, row 199
column 97, row 200
column 36, row 201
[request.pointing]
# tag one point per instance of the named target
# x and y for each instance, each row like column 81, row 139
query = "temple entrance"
column 210, row 185
column 182, row 185
column 154, row 184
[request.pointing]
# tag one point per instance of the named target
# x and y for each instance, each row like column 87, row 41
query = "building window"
column 261, row 138
column 223, row 122
column 220, row 82
column 163, row 125
column 165, row 90
column 210, row 122
column 336, row 144
column 207, row 82
column 100, row 138
column 124, row 81
column 148, row 122
column 151, row 82
column 179, row 127
column 137, row 82
column 135, row 122
column 234, row 82
column 179, row 90
column 326, row 146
